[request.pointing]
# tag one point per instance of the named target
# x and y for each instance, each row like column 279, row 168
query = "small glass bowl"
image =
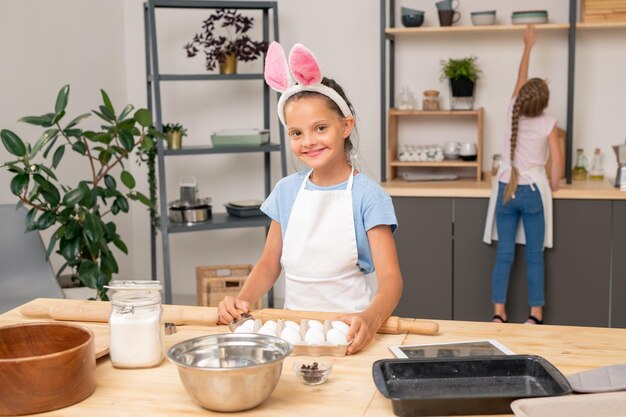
column 312, row 376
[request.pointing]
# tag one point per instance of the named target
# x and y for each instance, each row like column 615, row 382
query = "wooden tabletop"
column 470, row 188
column 350, row 390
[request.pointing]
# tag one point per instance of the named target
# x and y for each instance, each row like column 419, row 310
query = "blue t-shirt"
column 371, row 206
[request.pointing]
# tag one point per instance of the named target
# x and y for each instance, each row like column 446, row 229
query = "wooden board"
column 100, row 330
column 603, row 11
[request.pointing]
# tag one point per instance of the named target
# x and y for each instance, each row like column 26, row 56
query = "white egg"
column 291, row 335
column 248, row 324
column 270, row 324
column 315, row 324
column 341, row 326
column 243, row 329
column 268, row 331
column 336, row 337
column 314, row 336
column 292, row 324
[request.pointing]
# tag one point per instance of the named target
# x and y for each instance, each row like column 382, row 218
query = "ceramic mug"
column 447, row 4
column 448, row 17
column 468, row 149
column 451, row 150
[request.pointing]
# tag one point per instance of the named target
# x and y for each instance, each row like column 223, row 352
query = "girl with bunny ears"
column 331, row 225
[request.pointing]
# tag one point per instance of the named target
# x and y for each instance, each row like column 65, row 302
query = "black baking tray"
column 465, row 385
column 243, row 211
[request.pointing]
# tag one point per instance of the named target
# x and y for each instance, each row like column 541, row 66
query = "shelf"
column 396, row 112
column 207, row 77
column 400, row 31
column 204, row 150
column 207, row 4
column 391, row 32
column 221, row 221
column 455, row 164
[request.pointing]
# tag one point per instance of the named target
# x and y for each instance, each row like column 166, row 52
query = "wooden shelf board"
column 398, row 31
column 396, row 112
column 457, row 164
column 598, row 25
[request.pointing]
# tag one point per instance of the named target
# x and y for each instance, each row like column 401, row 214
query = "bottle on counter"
column 136, row 326
column 580, row 169
column 597, row 172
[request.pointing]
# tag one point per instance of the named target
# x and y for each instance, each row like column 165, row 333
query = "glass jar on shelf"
column 405, row 99
column 597, row 172
column 431, row 100
column 580, row 169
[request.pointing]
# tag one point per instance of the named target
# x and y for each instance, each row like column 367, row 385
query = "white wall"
column 100, row 44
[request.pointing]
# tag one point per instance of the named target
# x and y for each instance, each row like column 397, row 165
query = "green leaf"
column 143, row 117
column 147, row 144
column 58, row 117
column 30, row 219
column 75, row 121
column 144, row 199
column 62, row 99
column 50, row 146
column 12, row 143
column 91, row 228
column 46, row 220
column 72, row 230
column 53, row 241
column 107, row 113
column 108, row 263
column 45, row 120
column 88, row 273
column 43, row 183
column 19, row 183
column 76, row 133
column 107, row 102
column 105, row 156
column 80, row 147
column 51, row 195
column 102, row 116
column 127, row 140
column 126, row 111
column 58, row 155
column 110, row 182
column 127, row 179
column 115, row 209
column 73, row 197
column 88, row 199
column 48, row 172
column 121, row 245
column 102, row 138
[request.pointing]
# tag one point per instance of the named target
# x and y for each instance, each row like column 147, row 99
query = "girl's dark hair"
column 328, row 82
column 531, row 101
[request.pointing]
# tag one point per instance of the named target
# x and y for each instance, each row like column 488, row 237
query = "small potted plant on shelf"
column 174, row 133
column 463, row 74
column 229, row 46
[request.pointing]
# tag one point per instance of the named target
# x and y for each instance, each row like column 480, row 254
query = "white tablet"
column 451, row 349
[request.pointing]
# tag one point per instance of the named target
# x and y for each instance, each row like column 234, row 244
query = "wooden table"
column 350, row 390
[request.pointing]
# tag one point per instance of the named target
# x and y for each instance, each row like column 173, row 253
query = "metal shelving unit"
column 153, row 83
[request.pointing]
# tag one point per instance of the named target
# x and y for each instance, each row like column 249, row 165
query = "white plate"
column 250, row 203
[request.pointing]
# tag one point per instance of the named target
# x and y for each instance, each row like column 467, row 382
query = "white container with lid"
column 136, row 326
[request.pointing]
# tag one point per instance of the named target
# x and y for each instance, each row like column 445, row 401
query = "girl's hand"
column 362, row 330
column 529, row 36
column 554, row 184
column 230, row 309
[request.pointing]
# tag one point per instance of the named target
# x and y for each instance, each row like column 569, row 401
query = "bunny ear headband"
column 305, row 70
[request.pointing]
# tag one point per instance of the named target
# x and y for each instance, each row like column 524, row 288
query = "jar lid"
column 135, row 285
column 431, row 93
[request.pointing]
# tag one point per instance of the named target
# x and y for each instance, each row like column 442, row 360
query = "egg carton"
column 309, row 337
column 427, row 153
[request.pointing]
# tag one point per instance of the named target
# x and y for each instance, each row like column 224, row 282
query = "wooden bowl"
column 45, row 366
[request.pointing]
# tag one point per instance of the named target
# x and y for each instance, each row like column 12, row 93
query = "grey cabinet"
column 447, row 268
column 424, row 247
column 618, row 263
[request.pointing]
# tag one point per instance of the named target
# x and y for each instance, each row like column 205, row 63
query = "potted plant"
column 462, row 73
column 230, row 45
column 79, row 208
column 174, row 133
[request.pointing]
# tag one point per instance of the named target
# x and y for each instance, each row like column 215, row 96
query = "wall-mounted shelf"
column 392, row 146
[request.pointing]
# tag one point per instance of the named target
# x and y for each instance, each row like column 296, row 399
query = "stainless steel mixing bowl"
column 230, row 372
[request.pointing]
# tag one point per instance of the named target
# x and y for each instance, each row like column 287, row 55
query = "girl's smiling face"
column 317, row 133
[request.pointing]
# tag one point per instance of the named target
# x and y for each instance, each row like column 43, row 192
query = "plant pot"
column 463, row 87
column 229, row 66
column 174, row 140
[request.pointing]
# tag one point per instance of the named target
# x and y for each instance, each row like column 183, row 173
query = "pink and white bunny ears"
column 304, row 69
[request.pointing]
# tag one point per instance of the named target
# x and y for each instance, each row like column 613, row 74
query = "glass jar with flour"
column 136, row 326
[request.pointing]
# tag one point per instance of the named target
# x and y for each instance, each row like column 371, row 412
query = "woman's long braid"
column 531, row 101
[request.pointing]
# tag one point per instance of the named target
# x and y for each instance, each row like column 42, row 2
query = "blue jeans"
column 527, row 205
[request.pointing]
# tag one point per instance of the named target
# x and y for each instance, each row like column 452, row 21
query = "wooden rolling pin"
column 393, row 325
column 98, row 311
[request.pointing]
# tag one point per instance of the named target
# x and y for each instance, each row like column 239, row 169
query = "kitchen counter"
column 350, row 390
column 470, row 188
